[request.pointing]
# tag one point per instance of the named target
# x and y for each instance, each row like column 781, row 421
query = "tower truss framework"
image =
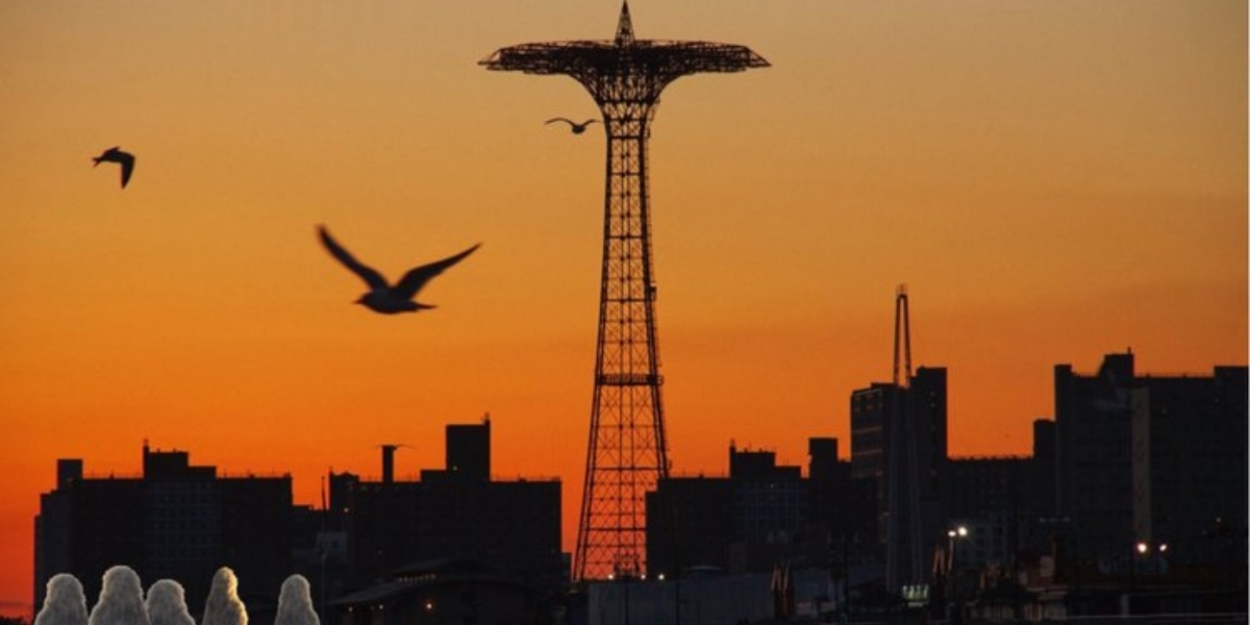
column 627, row 454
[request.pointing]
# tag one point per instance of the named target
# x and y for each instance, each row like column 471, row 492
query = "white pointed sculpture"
column 295, row 605
column 121, row 599
column 167, row 604
column 224, row 606
column 65, row 603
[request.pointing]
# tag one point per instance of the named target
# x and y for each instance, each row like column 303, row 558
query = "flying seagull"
column 382, row 297
column 115, row 155
column 577, row 128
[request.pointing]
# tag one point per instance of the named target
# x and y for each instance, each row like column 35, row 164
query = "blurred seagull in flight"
column 577, row 128
column 115, row 155
column 382, row 297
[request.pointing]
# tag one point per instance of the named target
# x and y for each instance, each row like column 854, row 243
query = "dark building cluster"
column 455, row 512
column 175, row 521
column 761, row 513
column 1138, row 483
column 405, row 544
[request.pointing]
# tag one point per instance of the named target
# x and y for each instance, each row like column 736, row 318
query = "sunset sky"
column 1054, row 180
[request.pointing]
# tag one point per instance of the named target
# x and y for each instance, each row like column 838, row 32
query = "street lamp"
column 953, row 534
column 960, row 532
column 1141, row 550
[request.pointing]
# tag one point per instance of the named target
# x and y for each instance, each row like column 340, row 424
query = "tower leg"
column 626, row 454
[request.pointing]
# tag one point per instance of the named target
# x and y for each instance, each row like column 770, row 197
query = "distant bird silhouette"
column 577, row 128
column 115, row 155
column 382, row 297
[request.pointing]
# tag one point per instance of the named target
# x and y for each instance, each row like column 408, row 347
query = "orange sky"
column 1053, row 179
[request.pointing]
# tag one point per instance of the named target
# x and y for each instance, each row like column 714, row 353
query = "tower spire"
column 902, row 339
column 624, row 27
column 903, row 535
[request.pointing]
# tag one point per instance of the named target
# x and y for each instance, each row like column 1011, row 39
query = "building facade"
column 454, row 512
column 987, row 497
column 761, row 515
column 1189, row 472
column 1151, row 468
column 898, row 440
column 1093, row 470
column 175, row 521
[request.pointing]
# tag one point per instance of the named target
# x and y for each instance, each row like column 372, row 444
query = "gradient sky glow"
column 1053, row 179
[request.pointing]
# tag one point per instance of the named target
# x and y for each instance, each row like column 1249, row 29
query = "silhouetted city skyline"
column 1055, row 181
column 1051, row 514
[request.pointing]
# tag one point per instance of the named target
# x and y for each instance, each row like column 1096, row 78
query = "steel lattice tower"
column 627, row 455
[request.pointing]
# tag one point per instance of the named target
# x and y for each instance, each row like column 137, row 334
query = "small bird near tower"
column 574, row 126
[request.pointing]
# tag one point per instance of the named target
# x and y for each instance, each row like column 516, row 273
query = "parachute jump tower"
column 627, row 455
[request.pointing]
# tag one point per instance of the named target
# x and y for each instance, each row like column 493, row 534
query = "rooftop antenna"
column 902, row 339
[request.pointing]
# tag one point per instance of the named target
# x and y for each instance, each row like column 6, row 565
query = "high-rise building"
column 1189, row 453
column 870, row 432
column 454, row 512
column 1144, row 461
column 761, row 513
column 1093, row 470
column 690, row 523
column 1189, row 474
column 468, row 449
column 770, row 500
column 987, row 497
column 175, row 521
column 898, row 440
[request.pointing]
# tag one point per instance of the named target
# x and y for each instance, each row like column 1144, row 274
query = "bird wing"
column 104, row 156
column 415, row 279
column 366, row 273
column 561, row 119
column 589, row 122
column 128, row 166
